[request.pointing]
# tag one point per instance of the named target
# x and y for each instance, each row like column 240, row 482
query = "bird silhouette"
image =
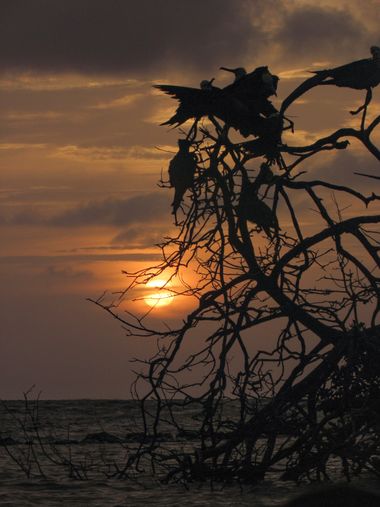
column 255, row 210
column 238, row 71
column 265, row 176
column 252, row 86
column 267, row 145
column 181, row 172
column 359, row 75
column 243, row 105
column 259, row 213
column 207, row 84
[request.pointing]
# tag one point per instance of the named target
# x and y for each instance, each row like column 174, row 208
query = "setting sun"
column 163, row 297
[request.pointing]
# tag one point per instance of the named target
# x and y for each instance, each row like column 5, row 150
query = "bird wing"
column 193, row 102
column 181, row 93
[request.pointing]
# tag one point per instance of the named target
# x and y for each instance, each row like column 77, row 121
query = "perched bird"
column 253, row 90
column 261, row 214
column 207, row 84
column 238, row 71
column 265, row 176
column 243, row 105
column 181, row 172
column 269, row 142
column 261, row 147
column 259, row 83
column 360, row 75
column 253, row 209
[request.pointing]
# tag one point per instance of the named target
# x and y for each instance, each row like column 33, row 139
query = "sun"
column 158, row 299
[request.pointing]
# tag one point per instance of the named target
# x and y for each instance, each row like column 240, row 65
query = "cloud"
column 42, row 260
column 304, row 34
column 121, row 102
column 319, row 31
column 138, row 209
column 21, row 146
column 341, row 168
column 63, row 273
column 137, row 237
column 118, row 212
column 120, row 36
column 32, row 81
column 161, row 38
column 106, row 153
column 35, row 116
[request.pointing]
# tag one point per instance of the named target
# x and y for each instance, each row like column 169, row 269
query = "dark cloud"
column 120, row 35
column 315, row 31
column 66, row 273
column 340, row 169
column 138, row 209
column 137, row 237
column 151, row 37
column 42, row 260
column 27, row 216
column 112, row 211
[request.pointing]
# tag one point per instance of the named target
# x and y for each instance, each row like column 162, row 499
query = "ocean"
column 98, row 436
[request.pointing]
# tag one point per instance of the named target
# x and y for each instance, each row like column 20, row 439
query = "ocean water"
column 67, row 430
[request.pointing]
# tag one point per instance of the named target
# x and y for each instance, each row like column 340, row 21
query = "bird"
column 255, row 210
column 238, row 71
column 242, row 105
column 269, row 142
column 206, row 84
column 359, row 75
column 265, row 176
column 181, row 172
column 259, row 83
column 259, row 213
column 253, row 90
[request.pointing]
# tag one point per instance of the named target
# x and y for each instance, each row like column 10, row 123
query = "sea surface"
column 96, row 435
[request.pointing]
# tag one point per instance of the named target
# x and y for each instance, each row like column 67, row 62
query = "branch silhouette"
column 279, row 356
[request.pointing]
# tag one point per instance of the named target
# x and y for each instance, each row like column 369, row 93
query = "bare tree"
column 281, row 354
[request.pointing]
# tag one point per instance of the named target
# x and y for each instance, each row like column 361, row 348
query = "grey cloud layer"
column 151, row 36
column 111, row 211
column 325, row 33
column 137, row 209
column 115, row 35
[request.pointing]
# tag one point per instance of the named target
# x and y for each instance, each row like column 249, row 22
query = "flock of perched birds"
column 245, row 106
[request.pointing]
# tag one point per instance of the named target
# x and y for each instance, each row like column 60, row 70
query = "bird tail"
column 178, row 196
column 301, row 89
column 172, row 122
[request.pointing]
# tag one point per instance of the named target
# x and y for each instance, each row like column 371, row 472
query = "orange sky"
column 79, row 200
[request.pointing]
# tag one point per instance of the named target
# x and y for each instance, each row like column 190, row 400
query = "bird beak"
column 228, row 70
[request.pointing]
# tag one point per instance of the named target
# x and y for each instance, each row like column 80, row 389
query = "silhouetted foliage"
column 280, row 356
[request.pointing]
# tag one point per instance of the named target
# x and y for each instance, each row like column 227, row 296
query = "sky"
column 81, row 153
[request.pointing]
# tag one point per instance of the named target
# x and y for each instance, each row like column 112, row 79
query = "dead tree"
column 281, row 353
